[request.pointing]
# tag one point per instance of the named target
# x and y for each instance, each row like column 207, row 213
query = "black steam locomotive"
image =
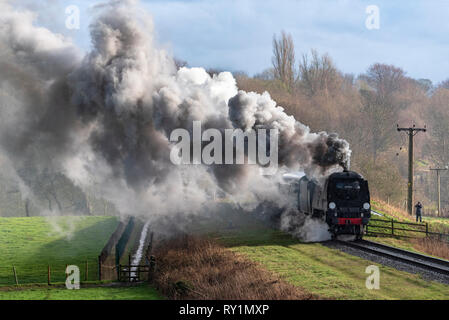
column 343, row 200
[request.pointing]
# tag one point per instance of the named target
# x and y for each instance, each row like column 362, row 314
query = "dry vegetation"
column 392, row 211
column 197, row 268
column 432, row 247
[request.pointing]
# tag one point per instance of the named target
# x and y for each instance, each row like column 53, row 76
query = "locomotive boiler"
column 343, row 200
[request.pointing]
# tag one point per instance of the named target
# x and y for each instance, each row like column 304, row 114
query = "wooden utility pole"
column 438, row 186
column 411, row 132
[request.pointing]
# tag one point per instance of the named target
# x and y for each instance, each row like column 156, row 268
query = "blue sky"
column 237, row 34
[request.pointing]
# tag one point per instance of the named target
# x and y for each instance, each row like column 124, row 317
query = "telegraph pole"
column 438, row 186
column 411, row 132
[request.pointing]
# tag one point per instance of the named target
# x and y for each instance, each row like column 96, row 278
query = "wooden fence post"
column 392, row 227
column 152, row 268
column 99, row 268
column 150, row 247
column 15, row 275
column 119, row 272
column 129, row 268
column 49, row 275
column 427, row 229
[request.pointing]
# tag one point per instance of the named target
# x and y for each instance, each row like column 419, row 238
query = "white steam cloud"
column 104, row 120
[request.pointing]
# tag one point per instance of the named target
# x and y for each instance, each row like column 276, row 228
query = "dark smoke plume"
column 105, row 119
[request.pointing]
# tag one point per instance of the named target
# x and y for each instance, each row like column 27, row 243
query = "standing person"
column 418, row 208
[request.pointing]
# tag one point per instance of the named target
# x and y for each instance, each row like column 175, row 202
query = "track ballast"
column 419, row 260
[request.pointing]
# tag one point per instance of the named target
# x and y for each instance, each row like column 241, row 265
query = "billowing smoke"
column 104, row 119
column 298, row 147
column 303, row 226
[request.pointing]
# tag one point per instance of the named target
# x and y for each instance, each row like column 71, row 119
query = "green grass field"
column 317, row 268
column 32, row 243
column 329, row 272
column 141, row 292
column 439, row 222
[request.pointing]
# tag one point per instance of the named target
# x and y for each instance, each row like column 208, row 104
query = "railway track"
column 419, row 260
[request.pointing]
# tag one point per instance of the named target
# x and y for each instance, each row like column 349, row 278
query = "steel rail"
column 413, row 258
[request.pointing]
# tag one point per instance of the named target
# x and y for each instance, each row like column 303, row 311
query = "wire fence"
column 90, row 269
column 106, row 267
column 51, row 273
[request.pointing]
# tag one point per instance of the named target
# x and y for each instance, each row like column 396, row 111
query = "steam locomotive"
column 343, row 200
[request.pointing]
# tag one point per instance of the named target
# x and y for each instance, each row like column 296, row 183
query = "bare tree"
column 318, row 74
column 381, row 100
column 284, row 59
column 444, row 84
column 378, row 117
column 426, row 85
column 239, row 74
column 437, row 115
column 54, row 189
column 384, row 176
column 384, row 79
column 267, row 75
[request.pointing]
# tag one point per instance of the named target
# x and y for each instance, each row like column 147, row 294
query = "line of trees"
column 50, row 191
column 364, row 109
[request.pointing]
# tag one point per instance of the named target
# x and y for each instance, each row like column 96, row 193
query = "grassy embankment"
column 422, row 244
column 31, row 244
column 316, row 268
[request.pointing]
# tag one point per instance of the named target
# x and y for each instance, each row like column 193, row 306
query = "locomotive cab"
column 348, row 203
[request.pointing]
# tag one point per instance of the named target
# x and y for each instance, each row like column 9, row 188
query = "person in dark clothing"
column 418, row 208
